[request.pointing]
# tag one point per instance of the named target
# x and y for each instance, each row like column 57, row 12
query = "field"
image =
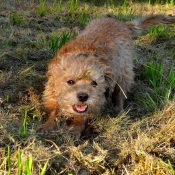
column 141, row 141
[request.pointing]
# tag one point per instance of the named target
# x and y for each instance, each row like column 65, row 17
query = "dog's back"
column 114, row 39
column 105, row 25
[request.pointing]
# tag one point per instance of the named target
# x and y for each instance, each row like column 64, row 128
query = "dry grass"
column 138, row 142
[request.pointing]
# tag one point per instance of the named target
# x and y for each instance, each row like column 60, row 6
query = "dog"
column 93, row 69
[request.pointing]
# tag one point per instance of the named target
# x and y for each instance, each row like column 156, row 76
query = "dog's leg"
column 50, row 123
column 51, row 107
column 121, row 89
column 117, row 99
column 76, row 125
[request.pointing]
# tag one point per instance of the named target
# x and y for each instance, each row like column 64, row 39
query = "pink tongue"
column 81, row 107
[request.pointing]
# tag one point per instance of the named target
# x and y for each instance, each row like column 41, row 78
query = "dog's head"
column 79, row 83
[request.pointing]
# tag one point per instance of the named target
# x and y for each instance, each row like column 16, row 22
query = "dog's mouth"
column 80, row 108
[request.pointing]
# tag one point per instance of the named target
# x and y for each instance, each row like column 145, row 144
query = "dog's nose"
column 82, row 97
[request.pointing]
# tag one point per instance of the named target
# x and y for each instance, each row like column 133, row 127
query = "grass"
column 162, row 86
column 56, row 41
column 23, row 167
column 160, row 33
column 57, row 7
column 140, row 141
column 73, row 7
column 41, row 11
column 16, row 19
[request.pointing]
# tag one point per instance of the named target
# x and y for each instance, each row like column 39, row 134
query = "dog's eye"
column 94, row 83
column 71, row 82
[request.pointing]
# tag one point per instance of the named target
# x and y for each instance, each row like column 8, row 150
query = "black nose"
column 82, row 97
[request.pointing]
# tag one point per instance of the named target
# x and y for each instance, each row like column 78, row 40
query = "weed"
column 153, row 74
column 73, row 6
column 162, row 85
column 23, row 131
column 125, row 12
column 57, row 6
column 171, row 168
column 159, row 33
column 57, row 42
column 147, row 101
column 27, row 167
column 7, row 99
column 42, row 42
column 16, row 19
column 41, row 10
column 84, row 17
column 112, row 6
column 20, row 163
column 44, row 169
column 9, row 161
column 172, row 2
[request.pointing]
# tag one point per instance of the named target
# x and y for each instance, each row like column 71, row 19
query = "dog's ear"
column 54, row 78
column 55, row 66
column 56, row 61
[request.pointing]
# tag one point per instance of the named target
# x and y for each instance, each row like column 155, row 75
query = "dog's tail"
column 137, row 26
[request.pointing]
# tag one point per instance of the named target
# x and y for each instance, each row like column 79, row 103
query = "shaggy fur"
column 94, row 68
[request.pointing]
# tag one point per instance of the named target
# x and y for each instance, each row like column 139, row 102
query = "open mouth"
column 80, row 108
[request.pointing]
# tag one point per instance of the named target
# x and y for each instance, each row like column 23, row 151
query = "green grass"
column 56, row 41
column 128, row 144
column 26, row 167
column 41, row 10
column 9, row 161
column 84, row 17
column 16, row 19
column 73, row 6
column 57, row 7
column 23, row 131
column 161, row 84
column 170, row 2
column 160, row 33
column 171, row 168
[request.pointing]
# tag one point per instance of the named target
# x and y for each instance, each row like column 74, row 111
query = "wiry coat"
column 94, row 68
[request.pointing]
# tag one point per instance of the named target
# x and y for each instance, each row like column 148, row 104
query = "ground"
column 139, row 141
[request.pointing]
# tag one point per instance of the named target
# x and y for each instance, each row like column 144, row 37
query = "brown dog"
column 94, row 68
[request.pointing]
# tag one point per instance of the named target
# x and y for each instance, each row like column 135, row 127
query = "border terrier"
column 93, row 69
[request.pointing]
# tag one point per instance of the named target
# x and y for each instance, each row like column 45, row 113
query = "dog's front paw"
column 76, row 131
column 46, row 128
column 75, row 126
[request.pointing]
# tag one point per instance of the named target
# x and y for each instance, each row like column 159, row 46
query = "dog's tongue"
column 81, row 108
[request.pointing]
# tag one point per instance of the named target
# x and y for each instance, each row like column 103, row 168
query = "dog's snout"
column 82, row 97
